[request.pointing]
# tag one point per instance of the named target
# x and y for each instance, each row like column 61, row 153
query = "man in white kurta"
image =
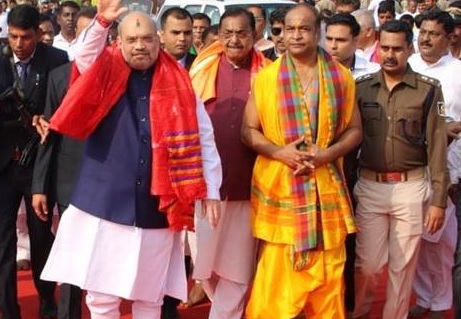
column 433, row 284
column 221, row 76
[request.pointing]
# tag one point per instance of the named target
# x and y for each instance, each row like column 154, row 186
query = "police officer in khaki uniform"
column 403, row 178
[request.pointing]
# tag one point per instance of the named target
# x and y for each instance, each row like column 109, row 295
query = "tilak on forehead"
column 138, row 23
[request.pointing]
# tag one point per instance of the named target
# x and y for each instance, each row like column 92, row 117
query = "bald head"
column 305, row 9
column 135, row 20
column 138, row 40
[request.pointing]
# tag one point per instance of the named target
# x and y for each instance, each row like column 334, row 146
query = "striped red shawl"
column 177, row 172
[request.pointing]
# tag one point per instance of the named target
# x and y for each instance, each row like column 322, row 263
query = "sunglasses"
column 276, row 31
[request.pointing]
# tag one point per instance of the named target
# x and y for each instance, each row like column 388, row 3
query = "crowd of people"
column 281, row 175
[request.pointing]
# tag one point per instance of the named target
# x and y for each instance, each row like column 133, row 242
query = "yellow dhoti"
column 279, row 292
column 289, row 279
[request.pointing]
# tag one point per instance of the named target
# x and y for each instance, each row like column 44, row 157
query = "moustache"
column 390, row 61
column 138, row 53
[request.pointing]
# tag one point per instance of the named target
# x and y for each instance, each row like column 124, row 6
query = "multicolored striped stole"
column 317, row 118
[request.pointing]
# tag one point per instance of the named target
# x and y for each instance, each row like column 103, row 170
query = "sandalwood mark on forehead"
column 138, row 23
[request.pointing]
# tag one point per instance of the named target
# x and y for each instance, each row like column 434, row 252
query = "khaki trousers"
column 390, row 224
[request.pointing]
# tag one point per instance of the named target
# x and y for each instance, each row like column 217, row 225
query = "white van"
column 215, row 8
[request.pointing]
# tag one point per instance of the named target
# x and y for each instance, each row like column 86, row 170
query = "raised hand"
column 111, row 10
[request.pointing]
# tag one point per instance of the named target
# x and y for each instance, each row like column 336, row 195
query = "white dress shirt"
column 448, row 71
column 362, row 67
column 368, row 52
column 60, row 43
column 3, row 25
column 454, row 160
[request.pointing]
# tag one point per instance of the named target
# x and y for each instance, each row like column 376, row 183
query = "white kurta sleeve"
column 90, row 43
column 454, row 160
column 212, row 169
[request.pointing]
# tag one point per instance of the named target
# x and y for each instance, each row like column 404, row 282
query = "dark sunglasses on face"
column 276, row 31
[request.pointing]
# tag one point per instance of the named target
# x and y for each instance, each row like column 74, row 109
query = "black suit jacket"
column 189, row 60
column 44, row 60
column 58, row 160
column 270, row 54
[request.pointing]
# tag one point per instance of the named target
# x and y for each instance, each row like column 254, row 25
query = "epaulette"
column 363, row 78
column 428, row 80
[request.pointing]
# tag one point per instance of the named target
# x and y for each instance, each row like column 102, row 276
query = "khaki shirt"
column 392, row 122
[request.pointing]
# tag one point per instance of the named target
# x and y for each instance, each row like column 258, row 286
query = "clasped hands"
column 302, row 156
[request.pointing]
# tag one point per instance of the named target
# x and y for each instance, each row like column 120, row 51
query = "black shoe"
column 170, row 313
column 48, row 309
column 23, row 264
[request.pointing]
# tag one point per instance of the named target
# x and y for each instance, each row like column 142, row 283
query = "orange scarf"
column 177, row 172
column 204, row 70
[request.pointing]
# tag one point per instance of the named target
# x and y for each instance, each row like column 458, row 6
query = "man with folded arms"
column 301, row 119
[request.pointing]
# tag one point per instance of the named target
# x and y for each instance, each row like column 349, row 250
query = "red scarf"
column 177, row 172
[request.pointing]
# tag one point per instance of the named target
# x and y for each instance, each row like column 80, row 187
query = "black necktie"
column 23, row 74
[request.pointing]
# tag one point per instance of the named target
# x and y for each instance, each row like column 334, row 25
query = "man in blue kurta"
column 149, row 154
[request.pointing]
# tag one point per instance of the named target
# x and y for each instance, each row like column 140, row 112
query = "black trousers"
column 70, row 296
column 15, row 184
column 351, row 172
column 349, row 295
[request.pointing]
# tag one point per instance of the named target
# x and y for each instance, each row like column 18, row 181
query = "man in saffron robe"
column 149, row 154
column 301, row 119
column 221, row 76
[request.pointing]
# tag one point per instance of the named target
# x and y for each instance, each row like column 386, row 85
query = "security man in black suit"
column 24, row 69
column 57, row 166
column 55, row 172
